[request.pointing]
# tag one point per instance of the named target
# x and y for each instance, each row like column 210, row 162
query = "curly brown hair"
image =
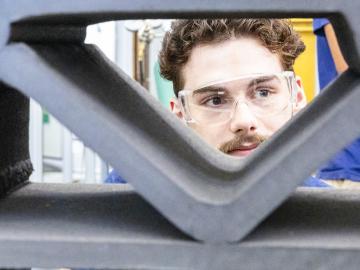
column 277, row 35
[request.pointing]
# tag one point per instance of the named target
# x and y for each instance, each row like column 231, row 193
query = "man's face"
column 238, row 57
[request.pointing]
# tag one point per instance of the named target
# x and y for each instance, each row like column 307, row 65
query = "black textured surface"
column 14, row 175
column 47, row 33
column 207, row 195
column 80, row 13
column 15, row 166
column 104, row 227
column 155, row 152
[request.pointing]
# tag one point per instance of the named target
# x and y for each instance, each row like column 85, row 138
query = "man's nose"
column 243, row 119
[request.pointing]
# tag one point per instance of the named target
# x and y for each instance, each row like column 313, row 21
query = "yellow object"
column 305, row 65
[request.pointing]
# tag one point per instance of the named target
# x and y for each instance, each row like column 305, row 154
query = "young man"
column 233, row 78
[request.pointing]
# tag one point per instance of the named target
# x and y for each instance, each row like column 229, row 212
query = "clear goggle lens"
column 216, row 103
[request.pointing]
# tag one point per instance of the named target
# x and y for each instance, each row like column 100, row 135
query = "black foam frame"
column 208, row 196
column 15, row 164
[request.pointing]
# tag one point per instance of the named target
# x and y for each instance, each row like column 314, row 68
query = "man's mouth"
column 242, row 145
column 243, row 150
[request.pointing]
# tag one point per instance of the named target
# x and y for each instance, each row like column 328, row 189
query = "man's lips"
column 243, row 150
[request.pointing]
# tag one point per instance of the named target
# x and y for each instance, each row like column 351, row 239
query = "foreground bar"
column 103, row 226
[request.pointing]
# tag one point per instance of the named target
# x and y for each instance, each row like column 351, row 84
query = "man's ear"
column 175, row 108
column 300, row 99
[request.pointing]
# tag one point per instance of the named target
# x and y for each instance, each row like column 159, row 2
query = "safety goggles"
column 216, row 103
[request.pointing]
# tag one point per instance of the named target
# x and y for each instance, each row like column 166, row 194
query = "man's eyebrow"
column 262, row 79
column 207, row 89
column 220, row 88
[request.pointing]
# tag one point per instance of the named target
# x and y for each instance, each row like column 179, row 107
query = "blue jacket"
column 346, row 164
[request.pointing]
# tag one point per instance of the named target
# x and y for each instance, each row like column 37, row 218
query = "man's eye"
column 262, row 93
column 214, row 101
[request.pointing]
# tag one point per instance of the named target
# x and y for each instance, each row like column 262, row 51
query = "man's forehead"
column 228, row 59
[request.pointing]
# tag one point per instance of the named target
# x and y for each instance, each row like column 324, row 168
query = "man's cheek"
column 207, row 134
column 274, row 124
column 215, row 136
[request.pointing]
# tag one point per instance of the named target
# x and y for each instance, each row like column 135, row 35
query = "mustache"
column 240, row 140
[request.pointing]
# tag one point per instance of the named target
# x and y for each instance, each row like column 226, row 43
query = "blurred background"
column 59, row 156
